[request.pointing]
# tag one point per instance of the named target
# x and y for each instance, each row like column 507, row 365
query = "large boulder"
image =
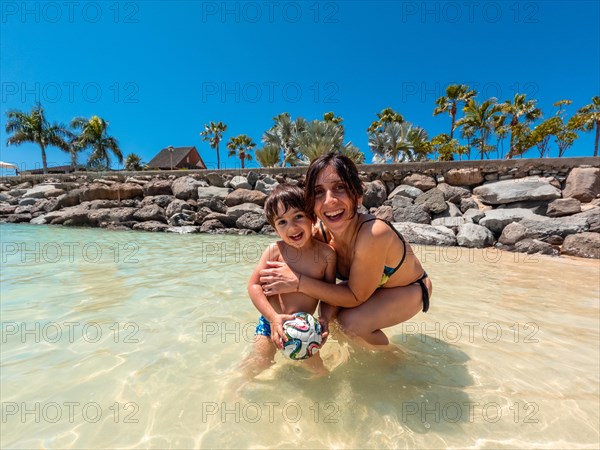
column 512, row 233
column 157, row 187
column 151, row 226
column 474, row 236
column 239, row 210
column 240, row 196
column 94, row 191
column 160, row 200
column 150, row 212
column 251, row 221
column 411, row 213
column 39, row 191
column 496, row 219
column 126, row 191
column 584, row 245
column 239, row 182
column 426, row 234
column 374, row 194
column 176, row 206
column 214, row 179
column 510, row 191
column 592, row 216
column 583, row 183
column 405, row 190
column 186, row 188
column 266, row 185
column 464, row 177
column 211, row 192
column 532, row 246
column 539, row 227
column 423, row 182
column 563, row 207
column 433, row 201
column 453, row 194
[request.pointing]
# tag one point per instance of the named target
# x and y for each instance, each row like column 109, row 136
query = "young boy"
column 285, row 211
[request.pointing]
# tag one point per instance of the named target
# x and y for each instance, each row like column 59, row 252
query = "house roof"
column 163, row 158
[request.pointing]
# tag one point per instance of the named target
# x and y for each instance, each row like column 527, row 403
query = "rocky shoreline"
column 528, row 207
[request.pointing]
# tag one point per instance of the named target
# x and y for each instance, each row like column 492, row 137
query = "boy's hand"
column 277, row 335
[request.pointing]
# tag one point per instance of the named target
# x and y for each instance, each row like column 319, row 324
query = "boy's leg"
column 263, row 350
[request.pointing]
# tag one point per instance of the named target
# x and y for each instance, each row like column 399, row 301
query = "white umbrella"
column 4, row 165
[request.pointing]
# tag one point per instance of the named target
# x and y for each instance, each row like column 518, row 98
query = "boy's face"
column 293, row 226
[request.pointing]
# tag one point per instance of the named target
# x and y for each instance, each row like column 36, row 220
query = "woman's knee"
column 352, row 324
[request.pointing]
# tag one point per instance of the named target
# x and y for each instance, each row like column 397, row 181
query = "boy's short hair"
column 287, row 195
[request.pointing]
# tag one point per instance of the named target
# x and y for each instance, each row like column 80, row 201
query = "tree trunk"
column 597, row 137
column 453, row 116
column 44, row 163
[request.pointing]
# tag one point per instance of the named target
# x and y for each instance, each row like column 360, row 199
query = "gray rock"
column 592, row 216
column 532, row 246
column 472, row 235
column 214, row 204
column 400, row 201
column 176, row 206
column 464, row 177
column 405, row 190
column 266, row 185
column 39, row 220
column 384, row 212
column 71, row 198
column 563, row 207
column 19, row 218
column 512, row 233
column 584, row 245
column 38, row 191
column 157, row 187
column 252, row 178
column 536, row 207
column 17, row 192
column 159, row 200
column 150, row 212
column 211, row 192
column 452, row 211
column 374, row 194
column 4, row 197
column 432, row 200
column 510, row 191
column 453, row 194
column 186, row 188
column 583, row 183
column 184, row 218
column 151, row 226
column 539, row 227
column 423, row 182
column 251, row 221
column 451, row 222
column 211, row 225
column 214, row 179
column 241, row 195
column 421, row 234
column 468, row 203
column 496, row 219
column 6, row 210
column 240, row 182
column 411, row 213
column 239, row 210
column 26, row 201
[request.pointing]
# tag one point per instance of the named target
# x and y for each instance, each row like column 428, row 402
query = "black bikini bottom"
column 425, row 292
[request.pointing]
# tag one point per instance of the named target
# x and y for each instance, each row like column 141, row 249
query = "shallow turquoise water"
column 132, row 340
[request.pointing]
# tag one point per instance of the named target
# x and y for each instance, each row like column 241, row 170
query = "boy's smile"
column 293, row 226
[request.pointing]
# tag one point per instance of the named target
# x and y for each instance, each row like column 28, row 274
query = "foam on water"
column 132, row 340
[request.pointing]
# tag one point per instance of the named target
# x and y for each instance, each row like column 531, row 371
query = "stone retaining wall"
column 550, row 206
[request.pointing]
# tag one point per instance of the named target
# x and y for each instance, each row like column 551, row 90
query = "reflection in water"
column 139, row 348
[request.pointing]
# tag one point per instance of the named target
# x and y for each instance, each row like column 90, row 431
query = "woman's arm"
column 365, row 273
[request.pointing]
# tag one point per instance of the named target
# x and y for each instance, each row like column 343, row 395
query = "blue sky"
column 158, row 71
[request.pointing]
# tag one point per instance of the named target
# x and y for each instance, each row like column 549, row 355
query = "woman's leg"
column 385, row 308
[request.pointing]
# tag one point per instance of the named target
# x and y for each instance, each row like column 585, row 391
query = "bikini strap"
column 323, row 232
column 395, row 231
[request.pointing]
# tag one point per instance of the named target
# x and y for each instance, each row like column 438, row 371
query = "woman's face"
column 334, row 205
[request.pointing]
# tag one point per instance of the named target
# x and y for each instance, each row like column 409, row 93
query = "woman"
column 384, row 282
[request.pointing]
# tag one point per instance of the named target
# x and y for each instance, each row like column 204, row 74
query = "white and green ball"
column 304, row 336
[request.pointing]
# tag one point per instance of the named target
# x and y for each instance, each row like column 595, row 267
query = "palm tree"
column 353, row 153
column 515, row 110
column 35, row 128
column 213, row 133
column 282, row 134
column 241, row 146
column 479, row 120
column 391, row 143
column 586, row 118
column 74, row 150
column 455, row 94
column 94, row 134
column 268, row 156
column 133, row 162
column 420, row 144
column 319, row 138
column 385, row 117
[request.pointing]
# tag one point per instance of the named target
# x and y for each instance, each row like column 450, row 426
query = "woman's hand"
column 277, row 335
column 278, row 278
column 324, row 330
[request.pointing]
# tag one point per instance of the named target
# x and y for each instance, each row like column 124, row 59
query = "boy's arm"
column 260, row 301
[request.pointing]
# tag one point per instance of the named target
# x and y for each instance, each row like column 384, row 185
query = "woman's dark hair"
column 344, row 167
column 287, row 195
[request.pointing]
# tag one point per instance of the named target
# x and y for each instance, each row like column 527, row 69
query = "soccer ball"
column 304, row 336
